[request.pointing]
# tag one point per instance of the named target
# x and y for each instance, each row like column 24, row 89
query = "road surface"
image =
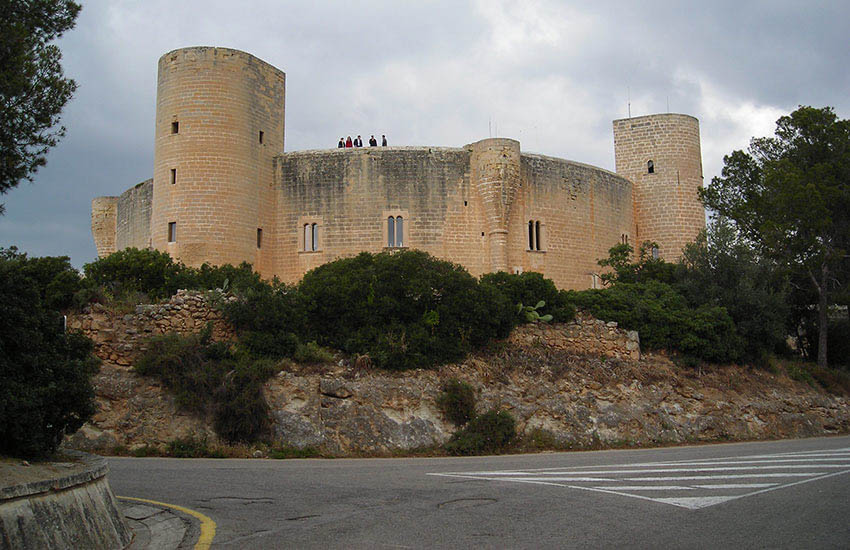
column 783, row 494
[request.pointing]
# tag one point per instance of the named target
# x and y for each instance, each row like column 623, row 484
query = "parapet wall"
column 585, row 335
column 73, row 510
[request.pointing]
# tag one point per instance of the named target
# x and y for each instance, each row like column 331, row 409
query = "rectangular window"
column 172, row 232
column 175, row 127
column 173, row 176
column 259, row 237
column 261, row 136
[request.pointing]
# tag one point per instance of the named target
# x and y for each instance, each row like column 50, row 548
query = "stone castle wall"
column 104, row 212
column 666, row 203
column 133, row 217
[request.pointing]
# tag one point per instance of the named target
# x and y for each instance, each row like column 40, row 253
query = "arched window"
column 395, row 231
column 535, row 235
column 655, row 253
column 308, row 238
column 650, row 167
column 314, row 233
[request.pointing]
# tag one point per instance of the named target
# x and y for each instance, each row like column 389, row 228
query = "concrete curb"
column 72, row 511
column 158, row 528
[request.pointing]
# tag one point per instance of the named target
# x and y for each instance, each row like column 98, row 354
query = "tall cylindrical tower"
column 495, row 167
column 219, row 124
column 660, row 154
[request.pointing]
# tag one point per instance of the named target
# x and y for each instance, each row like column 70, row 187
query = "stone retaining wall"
column 72, row 511
column 120, row 338
column 585, row 334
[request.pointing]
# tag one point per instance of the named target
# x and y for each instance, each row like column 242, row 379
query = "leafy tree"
column 142, row 270
column 45, row 373
column 789, row 195
column 33, row 90
column 722, row 269
column 646, row 268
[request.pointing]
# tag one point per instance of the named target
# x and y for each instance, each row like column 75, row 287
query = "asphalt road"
column 782, row 494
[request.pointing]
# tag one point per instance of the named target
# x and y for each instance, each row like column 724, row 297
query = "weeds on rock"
column 488, row 433
column 211, row 378
column 457, row 402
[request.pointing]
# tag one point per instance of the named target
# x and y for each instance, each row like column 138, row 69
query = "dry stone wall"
column 584, row 335
column 120, row 338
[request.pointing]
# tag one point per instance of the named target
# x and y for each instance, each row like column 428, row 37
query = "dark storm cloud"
column 552, row 74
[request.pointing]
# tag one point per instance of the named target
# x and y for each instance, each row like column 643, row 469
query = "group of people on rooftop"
column 358, row 142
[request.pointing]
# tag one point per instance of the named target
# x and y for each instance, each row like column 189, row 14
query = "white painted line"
column 661, row 470
column 736, row 486
column 645, row 487
column 694, row 503
column 731, row 476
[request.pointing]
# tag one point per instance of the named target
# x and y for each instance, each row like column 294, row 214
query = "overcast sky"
column 551, row 74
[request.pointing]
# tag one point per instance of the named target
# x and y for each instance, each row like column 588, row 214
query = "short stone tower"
column 661, row 155
column 219, row 125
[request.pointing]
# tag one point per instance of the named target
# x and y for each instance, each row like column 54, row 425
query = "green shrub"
column 405, row 309
column 294, row 452
column 45, row 373
column 664, row 320
column 191, row 447
column 143, row 270
column 268, row 319
column 210, row 378
column 311, row 352
column 457, row 402
column 488, row 433
column 530, row 288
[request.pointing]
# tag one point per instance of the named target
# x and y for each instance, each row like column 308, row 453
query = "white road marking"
column 792, row 465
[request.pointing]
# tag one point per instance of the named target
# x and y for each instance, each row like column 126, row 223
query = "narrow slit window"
column 530, row 235
column 399, row 231
column 259, row 238
column 175, row 127
column 173, row 176
column 391, row 231
column 314, row 237
column 261, row 136
column 650, row 167
column 172, row 232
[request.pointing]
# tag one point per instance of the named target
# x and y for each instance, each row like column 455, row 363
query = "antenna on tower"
column 668, row 103
column 629, row 93
column 489, row 127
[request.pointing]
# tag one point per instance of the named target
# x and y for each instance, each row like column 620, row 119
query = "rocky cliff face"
column 542, row 374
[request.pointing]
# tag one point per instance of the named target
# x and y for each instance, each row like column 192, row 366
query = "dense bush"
column 210, row 378
column 488, row 433
column 405, row 309
column 45, row 374
column 268, row 320
column 528, row 289
column 664, row 320
column 157, row 275
column 457, row 402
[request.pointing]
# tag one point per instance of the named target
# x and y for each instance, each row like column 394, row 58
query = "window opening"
column 395, row 231
column 259, row 237
column 172, row 232
column 654, row 252
column 624, row 238
column 537, row 235
column 464, row 203
column 261, row 136
column 173, row 176
column 314, row 237
column 175, row 127
column 650, row 167
column 530, row 235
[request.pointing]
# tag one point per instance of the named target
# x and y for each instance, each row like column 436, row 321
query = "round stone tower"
column 219, row 124
column 495, row 167
column 660, row 154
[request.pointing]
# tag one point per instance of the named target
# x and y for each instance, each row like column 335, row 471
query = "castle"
column 223, row 190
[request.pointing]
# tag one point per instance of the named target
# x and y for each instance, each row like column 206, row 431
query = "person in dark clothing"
column 372, row 141
column 383, row 140
column 341, row 143
column 348, row 141
column 358, row 142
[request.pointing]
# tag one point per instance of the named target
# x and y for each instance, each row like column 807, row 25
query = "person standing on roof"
column 341, row 143
column 383, row 140
column 372, row 141
column 348, row 141
column 359, row 141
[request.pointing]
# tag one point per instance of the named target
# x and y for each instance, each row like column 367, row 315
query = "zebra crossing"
column 691, row 484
